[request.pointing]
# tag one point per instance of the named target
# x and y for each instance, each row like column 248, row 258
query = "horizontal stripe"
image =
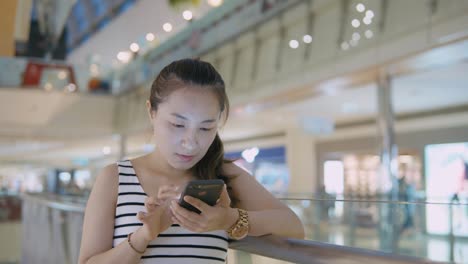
column 132, row 193
column 124, row 225
column 187, row 246
column 127, row 174
column 130, row 188
column 129, row 183
column 193, row 235
column 182, row 256
column 124, row 215
column 125, row 166
column 183, row 235
column 125, row 204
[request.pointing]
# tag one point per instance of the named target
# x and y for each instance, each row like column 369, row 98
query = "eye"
column 206, row 129
column 177, row 125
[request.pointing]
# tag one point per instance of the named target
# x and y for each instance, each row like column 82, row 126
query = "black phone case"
column 206, row 190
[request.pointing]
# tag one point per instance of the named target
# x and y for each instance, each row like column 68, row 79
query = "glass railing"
column 434, row 230
column 336, row 230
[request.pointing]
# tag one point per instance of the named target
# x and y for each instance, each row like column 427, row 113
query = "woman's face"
column 185, row 125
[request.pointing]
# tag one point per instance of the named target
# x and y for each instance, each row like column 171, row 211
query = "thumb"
column 142, row 216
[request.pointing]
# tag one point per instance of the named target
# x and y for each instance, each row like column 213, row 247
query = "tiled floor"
column 10, row 242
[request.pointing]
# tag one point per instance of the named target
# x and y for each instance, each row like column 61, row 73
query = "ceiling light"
column 62, row 75
column 215, row 2
column 48, row 87
column 344, row 46
column 367, row 20
column 360, row 7
column 124, row 56
column 134, row 47
column 294, row 44
column 307, row 39
column 369, row 14
column 71, row 87
column 150, row 37
column 369, row 34
column 355, row 23
column 167, row 27
column 187, row 14
column 356, row 36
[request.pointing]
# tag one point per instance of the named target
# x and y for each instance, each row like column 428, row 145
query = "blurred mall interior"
column 352, row 112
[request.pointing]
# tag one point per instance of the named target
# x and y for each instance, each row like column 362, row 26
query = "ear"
column 149, row 110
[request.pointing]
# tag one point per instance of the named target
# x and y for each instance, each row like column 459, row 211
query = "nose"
column 189, row 141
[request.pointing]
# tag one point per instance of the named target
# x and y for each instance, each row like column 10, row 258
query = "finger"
column 184, row 225
column 166, row 188
column 224, row 199
column 151, row 203
column 142, row 217
column 197, row 203
column 152, row 200
column 195, row 227
column 183, row 214
column 169, row 195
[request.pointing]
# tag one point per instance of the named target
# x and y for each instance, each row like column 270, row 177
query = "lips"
column 185, row 158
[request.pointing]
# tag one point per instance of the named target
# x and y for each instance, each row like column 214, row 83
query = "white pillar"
column 301, row 158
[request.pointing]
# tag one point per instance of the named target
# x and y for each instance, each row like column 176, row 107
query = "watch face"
column 240, row 232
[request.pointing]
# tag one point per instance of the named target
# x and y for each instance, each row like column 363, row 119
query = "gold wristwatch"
column 240, row 229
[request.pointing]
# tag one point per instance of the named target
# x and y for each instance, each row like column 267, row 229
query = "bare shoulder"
column 107, row 183
column 109, row 175
column 231, row 169
column 98, row 225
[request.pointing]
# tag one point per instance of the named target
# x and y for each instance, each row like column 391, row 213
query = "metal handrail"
column 291, row 250
column 313, row 252
column 61, row 205
column 374, row 201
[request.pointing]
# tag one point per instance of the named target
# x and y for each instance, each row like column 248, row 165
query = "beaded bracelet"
column 130, row 243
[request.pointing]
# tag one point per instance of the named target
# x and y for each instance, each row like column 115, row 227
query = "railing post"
column 451, row 236
column 388, row 177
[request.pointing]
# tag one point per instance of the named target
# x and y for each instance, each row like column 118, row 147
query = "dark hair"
column 187, row 72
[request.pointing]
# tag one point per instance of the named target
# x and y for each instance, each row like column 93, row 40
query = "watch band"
column 242, row 224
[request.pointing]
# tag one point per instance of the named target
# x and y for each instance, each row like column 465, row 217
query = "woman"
column 132, row 215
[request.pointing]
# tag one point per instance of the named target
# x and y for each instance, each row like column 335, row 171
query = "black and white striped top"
column 176, row 244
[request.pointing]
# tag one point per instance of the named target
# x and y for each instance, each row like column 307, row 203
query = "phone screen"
column 206, row 190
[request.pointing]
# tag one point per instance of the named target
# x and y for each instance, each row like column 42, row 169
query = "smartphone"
column 206, row 190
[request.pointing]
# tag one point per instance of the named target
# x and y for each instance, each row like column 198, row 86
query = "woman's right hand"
column 156, row 219
column 158, row 216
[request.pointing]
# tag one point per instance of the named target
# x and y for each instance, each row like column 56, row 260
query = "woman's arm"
column 267, row 215
column 98, row 226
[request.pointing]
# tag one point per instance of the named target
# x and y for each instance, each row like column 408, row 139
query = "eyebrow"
column 185, row 118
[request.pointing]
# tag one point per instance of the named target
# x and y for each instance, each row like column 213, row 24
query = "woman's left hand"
column 218, row 217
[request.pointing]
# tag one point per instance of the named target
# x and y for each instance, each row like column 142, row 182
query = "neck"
column 158, row 163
